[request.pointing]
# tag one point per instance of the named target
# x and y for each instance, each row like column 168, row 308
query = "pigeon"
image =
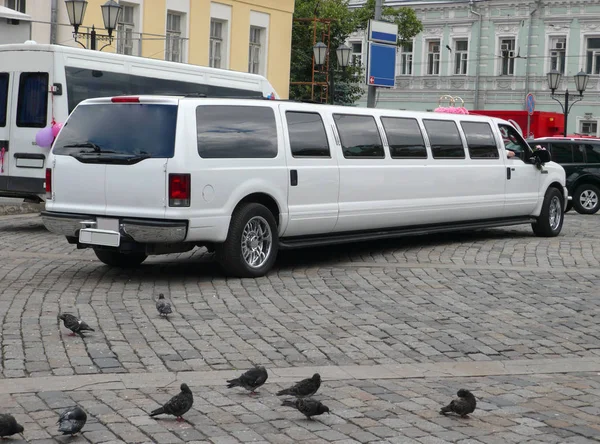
column 308, row 407
column 71, row 421
column 177, row 405
column 251, row 380
column 462, row 406
column 74, row 324
column 9, row 425
column 448, row 48
column 163, row 307
column 303, row 389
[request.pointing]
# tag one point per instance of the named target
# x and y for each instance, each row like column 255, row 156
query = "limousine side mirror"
column 541, row 156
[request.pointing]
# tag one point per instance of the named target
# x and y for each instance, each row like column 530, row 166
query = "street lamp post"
column 343, row 54
column 110, row 16
column 581, row 80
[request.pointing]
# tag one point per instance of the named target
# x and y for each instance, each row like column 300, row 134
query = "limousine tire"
column 252, row 242
column 586, row 199
column 550, row 221
column 118, row 259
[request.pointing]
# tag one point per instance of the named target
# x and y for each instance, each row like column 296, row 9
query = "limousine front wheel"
column 252, row 242
column 550, row 221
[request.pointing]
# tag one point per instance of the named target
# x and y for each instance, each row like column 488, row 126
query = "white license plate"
column 94, row 236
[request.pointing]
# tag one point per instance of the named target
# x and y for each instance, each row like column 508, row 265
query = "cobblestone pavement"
column 490, row 296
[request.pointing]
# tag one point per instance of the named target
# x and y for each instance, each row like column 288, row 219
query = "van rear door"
column 111, row 158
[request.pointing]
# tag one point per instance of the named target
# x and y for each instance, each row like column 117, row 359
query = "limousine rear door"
column 313, row 176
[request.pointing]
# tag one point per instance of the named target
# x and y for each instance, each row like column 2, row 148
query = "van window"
column 114, row 131
column 32, row 106
column 444, row 139
column 480, row 140
column 3, row 97
column 359, row 136
column 404, row 137
column 307, row 134
column 236, row 132
column 592, row 152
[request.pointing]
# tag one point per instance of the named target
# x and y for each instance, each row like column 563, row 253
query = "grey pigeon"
column 303, row 389
column 71, row 421
column 251, row 380
column 163, row 307
column 463, row 405
column 308, row 407
column 74, row 324
column 9, row 425
column 177, row 405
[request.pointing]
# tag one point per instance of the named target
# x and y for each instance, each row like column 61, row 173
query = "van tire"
column 589, row 192
column 118, row 259
column 247, row 220
column 550, row 221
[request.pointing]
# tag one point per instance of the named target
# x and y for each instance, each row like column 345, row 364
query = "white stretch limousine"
column 137, row 176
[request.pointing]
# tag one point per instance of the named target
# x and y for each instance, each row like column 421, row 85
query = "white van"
column 39, row 83
column 136, row 176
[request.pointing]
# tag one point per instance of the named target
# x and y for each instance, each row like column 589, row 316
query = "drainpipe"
column 477, row 68
column 537, row 5
column 53, row 21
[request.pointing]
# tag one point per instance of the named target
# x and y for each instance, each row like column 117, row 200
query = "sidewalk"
column 9, row 206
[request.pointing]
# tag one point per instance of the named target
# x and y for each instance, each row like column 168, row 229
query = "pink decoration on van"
column 44, row 137
column 56, row 127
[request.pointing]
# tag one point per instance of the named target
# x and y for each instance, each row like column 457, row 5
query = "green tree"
column 408, row 23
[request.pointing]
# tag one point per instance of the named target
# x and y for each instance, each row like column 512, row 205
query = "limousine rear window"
column 444, row 139
column 113, row 132
column 359, row 136
column 307, row 134
column 404, row 137
column 236, row 132
column 480, row 140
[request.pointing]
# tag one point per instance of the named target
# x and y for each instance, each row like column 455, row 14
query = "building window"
column 356, row 54
column 558, row 53
column 593, row 55
column 461, row 56
column 588, row 127
column 17, row 5
column 125, row 30
column 255, row 51
column 433, row 57
column 173, row 44
column 405, row 60
column 507, row 53
column 216, row 43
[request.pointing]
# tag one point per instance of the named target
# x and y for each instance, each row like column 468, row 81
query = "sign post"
column 381, row 57
column 530, row 104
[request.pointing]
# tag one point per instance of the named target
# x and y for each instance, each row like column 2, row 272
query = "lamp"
column 343, row 55
column 76, row 12
column 320, row 53
column 581, row 80
column 111, row 11
column 553, row 80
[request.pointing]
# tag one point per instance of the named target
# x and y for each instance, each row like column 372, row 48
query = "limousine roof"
column 296, row 105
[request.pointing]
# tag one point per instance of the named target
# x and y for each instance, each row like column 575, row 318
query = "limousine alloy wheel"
column 586, row 199
column 252, row 242
column 549, row 222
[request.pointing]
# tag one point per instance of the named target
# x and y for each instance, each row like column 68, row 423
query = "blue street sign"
column 381, row 65
column 530, row 102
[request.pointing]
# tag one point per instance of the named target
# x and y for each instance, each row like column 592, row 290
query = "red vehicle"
column 542, row 123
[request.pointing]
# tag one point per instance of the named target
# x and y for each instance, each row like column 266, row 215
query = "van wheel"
column 252, row 242
column 550, row 221
column 586, row 199
column 120, row 260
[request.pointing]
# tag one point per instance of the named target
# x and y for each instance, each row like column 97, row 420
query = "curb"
column 25, row 208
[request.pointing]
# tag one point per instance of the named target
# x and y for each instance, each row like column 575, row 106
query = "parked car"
column 134, row 176
column 580, row 157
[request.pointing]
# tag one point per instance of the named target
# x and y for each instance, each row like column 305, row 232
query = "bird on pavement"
column 308, row 407
column 178, row 405
column 163, row 306
column 250, row 380
column 9, row 425
column 74, row 324
column 71, row 421
column 463, row 405
column 303, row 389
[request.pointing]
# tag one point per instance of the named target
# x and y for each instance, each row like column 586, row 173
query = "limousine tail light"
column 179, row 190
column 48, row 183
column 127, row 99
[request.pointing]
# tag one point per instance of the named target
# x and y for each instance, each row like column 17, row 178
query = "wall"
column 14, row 33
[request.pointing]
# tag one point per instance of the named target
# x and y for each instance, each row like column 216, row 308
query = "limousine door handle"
column 508, row 172
column 294, row 178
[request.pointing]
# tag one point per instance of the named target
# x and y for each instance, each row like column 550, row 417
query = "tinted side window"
column 307, row 134
column 32, row 107
column 3, row 97
column 578, row 153
column 404, row 137
column 480, row 140
column 444, row 139
column 562, row 152
column 236, row 132
column 359, row 136
column 592, row 152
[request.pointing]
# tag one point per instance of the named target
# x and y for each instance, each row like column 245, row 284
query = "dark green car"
column 580, row 157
